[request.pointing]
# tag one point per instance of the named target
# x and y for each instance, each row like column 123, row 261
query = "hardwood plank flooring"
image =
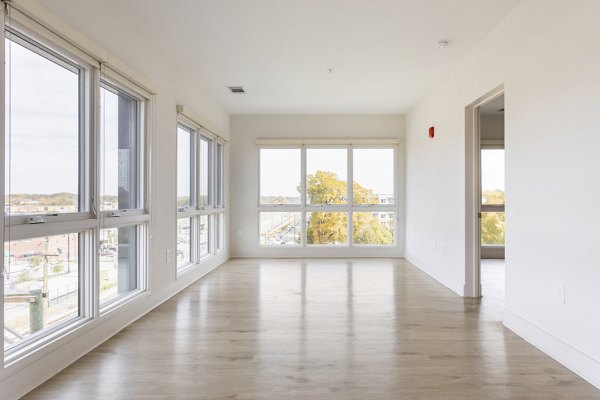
column 318, row 329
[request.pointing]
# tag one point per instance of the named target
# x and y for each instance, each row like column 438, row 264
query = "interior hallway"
column 318, row 329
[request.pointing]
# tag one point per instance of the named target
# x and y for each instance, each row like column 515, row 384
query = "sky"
column 492, row 169
column 43, row 124
column 42, row 147
column 280, row 168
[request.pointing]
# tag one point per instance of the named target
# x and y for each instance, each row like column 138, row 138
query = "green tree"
column 330, row 227
column 492, row 223
column 492, row 228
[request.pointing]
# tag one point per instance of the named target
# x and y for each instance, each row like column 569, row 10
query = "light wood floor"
column 318, row 329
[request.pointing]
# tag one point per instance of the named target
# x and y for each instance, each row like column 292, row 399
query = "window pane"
column 184, row 167
column 373, row 228
column 118, row 262
column 205, row 171
column 492, row 176
column 41, row 288
column 220, row 231
column 280, row 176
column 184, row 243
column 492, row 228
column 326, row 176
column 280, row 228
column 42, row 134
column 119, row 155
column 220, row 178
column 204, row 235
column 326, row 228
column 373, row 175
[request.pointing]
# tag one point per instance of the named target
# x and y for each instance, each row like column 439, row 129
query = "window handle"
column 115, row 214
column 35, row 220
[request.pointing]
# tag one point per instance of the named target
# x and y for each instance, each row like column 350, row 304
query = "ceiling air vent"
column 236, row 89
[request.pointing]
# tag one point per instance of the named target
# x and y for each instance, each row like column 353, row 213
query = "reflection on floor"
column 492, row 282
column 317, row 329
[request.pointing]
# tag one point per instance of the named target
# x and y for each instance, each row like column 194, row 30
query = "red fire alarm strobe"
column 431, row 132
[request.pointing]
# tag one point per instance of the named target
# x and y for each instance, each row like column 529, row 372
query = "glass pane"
column 118, row 262
column 492, row 176
column 326, row 176
column 280, row 228
column 373, row 228
column 280, row 176
column 184, row 242
column 42, row 134
column 326, row 228
column 205, row 171
column 184, row 167
column 204, row 235
column 373, row 173
column 220, row 218
column 41, row 288
column 492, row 228
column 219, row 182
column 119, row 155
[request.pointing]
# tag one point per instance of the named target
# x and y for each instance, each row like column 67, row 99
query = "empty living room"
column 300, row 200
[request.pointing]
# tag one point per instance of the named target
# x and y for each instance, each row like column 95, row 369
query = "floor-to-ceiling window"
column 200, row 194
column 74, row 192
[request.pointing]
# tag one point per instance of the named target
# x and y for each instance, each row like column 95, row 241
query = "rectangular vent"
column 236, row 89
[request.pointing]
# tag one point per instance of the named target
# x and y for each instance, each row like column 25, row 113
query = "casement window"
column 327, row 195
column 74, row 191
column 200, row 194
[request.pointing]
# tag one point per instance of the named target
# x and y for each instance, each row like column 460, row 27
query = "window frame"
column 82, row 222
column 192, row 211
column 490, row 208
column 88, row 221
column 214, row 212
column 138, row 217
column 349, row 207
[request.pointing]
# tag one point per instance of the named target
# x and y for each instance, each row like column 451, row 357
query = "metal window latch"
column 115, row 214
column 36, row 219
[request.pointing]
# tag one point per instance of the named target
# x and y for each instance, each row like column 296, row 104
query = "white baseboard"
column 578, row 362
column 451, row 283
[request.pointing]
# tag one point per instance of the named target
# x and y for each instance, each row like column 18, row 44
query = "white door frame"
column 473, row 193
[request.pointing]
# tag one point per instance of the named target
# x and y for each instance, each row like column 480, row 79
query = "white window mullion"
column 350, row 195
column 303, row 194
column 3, row 190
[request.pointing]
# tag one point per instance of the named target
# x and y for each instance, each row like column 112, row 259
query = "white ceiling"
column 382, row 52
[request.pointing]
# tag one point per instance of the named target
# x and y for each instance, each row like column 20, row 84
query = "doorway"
column 493, row 198
column 485, row 197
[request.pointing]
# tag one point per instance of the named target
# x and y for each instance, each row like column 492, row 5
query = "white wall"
column 546, row 52
column 245, row 129
column 113, row 33
column 492, row 127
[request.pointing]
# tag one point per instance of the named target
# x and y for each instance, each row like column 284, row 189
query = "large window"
column 305, row 198
column 200, row 194
column 74, row 162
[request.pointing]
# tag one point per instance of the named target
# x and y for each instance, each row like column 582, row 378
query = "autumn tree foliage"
column 492, row 223
column 330, row 227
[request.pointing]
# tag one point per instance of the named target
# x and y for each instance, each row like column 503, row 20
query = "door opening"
column 485, row 196
column 493, row 196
